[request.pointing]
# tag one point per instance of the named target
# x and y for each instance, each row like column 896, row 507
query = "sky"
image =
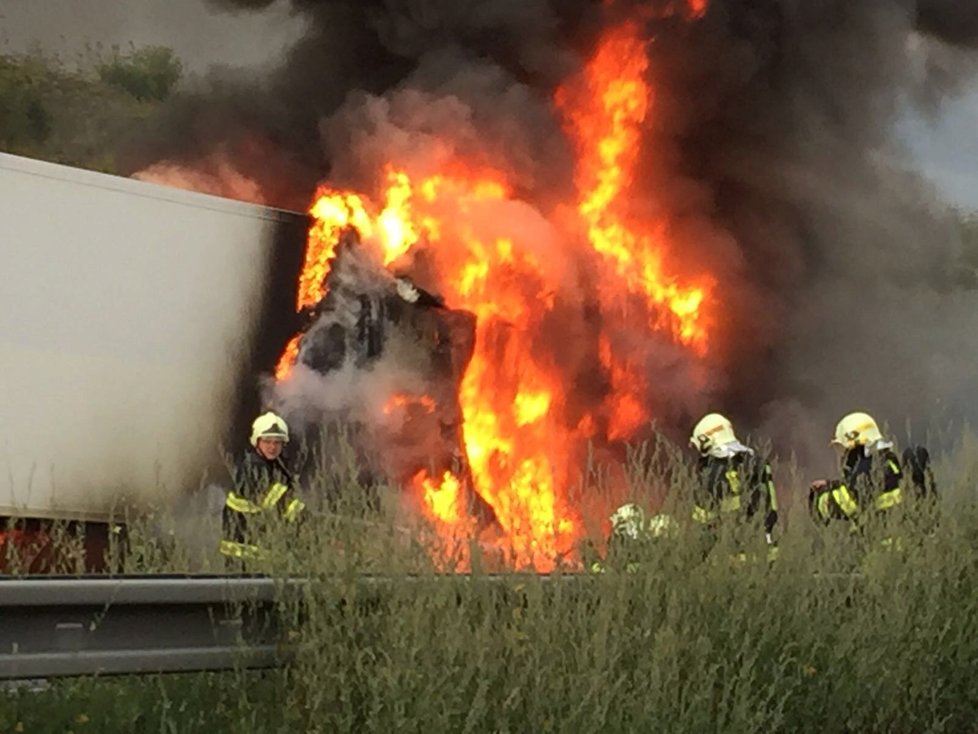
column 945, row 147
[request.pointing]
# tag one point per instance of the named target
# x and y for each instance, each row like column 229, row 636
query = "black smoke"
column 846, row 265
column 771, row 144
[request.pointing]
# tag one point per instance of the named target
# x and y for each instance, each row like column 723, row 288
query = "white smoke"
column 397, row 401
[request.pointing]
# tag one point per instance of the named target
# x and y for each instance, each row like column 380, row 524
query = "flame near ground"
column 524, row 433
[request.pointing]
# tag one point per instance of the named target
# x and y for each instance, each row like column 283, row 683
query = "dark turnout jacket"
column 870, row 482
column 740, row 485
column 264, row 490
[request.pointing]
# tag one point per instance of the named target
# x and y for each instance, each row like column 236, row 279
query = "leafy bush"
column 81, row 114
column 24, row 118
column 148, row 73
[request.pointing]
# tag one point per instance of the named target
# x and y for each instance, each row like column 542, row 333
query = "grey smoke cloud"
column 771, row 141
column 954, row 22
column 862, row 260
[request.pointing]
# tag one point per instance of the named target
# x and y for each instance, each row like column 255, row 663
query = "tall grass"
column 839, row 634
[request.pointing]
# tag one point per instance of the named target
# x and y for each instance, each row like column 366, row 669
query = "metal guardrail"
column 56, row 626
column 53, row 626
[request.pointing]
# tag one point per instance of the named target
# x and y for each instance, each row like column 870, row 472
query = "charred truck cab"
column 369, row 317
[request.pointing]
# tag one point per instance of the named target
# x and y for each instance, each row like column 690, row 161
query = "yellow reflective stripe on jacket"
column 702, row 515
column 845, row 501
column 293, row 510
column 888, row 499
column 240, row 504
column 730, row 504
column 823, row 506
column 241, row 550
column 733, row 479
column 274, row 494
column 727, row 504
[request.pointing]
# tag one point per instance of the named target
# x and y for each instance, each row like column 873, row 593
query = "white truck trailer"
column 135, row 321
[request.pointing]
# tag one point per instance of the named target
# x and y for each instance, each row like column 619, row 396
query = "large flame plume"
column 525, row 432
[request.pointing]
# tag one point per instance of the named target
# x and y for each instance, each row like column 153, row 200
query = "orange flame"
column 283, row 370
column 332, row 212
column 404, row 401
column 443, row 499
column 519, row 439
column 608, row 132
column 697, row 8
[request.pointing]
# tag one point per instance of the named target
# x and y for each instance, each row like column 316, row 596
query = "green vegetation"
column 79, row 113
column 145, row 74
column 838, row 634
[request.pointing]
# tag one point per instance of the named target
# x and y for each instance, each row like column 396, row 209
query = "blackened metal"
column 276, row 321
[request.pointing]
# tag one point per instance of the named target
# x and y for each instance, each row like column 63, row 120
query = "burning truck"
column 484, row 343
column 543, row 328
column 533, row 230
column 535, row 234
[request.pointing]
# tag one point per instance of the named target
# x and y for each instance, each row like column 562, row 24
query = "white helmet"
column 628, row 521
column 269, row 425
column 856, row 429
column 663, row 526
column 712, row 432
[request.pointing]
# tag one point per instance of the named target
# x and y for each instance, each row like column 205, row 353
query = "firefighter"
column 632, row 536
column 871, row 474
column 733, row 481
column 264, row 491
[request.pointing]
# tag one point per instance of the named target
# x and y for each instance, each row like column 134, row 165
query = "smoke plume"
column 770, row 143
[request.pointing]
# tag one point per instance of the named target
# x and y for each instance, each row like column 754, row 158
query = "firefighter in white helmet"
column 632, row 534
column 733, row 480
column 264, row 489
column 871, row 473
